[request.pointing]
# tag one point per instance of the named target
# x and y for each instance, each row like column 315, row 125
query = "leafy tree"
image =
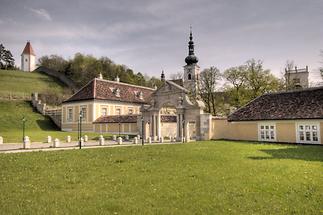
column 6, row 59
column 83, row 68
column 237, row 78
column 54, row 62
column 249, row 81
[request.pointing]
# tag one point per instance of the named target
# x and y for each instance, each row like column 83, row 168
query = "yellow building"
column 105, row 106
column 290, row 117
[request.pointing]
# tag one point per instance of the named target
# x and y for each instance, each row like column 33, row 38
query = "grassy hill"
column 38, row 127
column 19, row 85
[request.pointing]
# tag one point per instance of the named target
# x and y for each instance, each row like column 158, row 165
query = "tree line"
column 239, row 85
column 83, row 68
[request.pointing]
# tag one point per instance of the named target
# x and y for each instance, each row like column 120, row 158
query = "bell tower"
column 191, row 69
column 28, row 59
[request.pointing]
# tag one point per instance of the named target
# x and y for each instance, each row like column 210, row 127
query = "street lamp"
column 80, row 129
column 183, row 136
column 142, row 130
column 119, row 116
column 23, row 128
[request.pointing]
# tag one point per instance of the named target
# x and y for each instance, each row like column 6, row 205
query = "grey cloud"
column 151, row 35
column 42, row 13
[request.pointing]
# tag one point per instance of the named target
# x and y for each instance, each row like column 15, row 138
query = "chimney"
column 117, row 79
column 100, row 76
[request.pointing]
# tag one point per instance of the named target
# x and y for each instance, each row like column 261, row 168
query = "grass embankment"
column 197, row 178
column 37, row 126
column 18, row 84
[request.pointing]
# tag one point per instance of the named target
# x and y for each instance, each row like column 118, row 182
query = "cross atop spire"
column 191, row 58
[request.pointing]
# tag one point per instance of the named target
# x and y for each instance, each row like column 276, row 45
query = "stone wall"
column 54, row 113
column 68, row 82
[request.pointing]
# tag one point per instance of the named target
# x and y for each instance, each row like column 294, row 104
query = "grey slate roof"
column 301, row 104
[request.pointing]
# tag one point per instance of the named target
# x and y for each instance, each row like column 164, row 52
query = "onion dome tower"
column 191, row 69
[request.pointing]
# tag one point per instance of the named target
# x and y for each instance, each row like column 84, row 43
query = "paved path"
column 18, row 147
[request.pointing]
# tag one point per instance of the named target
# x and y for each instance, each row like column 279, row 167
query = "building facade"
column 287, row 117
column 105, row 106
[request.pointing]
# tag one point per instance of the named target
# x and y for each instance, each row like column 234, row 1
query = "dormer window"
column 117, row 92
column 140, row 95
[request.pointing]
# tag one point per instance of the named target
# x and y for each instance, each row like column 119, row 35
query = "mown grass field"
column 37, row 126
column 214, row 177
column 18, row 83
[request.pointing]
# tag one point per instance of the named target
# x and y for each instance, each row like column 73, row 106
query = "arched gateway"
column 175, row 109
column 191, row 122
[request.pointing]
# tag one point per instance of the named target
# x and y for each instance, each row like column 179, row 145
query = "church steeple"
column 191, row 69
column 191, row 58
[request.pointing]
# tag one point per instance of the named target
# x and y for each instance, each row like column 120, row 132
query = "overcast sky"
column 149, row 35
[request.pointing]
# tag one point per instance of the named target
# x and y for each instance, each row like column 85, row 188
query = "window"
column 130, row 110
column 69, row 114
column 118, row 110
column 189, row 77
column 308, row 133
column 83, row 113
column 117, row 92
column 104, row 111
column 26, row 59
column 267, row 132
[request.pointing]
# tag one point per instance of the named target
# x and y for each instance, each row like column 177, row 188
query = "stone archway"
column 189, row 113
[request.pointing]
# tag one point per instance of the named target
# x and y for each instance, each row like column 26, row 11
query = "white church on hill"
column 28, row 59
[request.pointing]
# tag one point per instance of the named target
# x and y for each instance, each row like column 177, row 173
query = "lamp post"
column 183, row 135
column 23, row 128
column 119, row 117
column 80, row 129
column 142, row 130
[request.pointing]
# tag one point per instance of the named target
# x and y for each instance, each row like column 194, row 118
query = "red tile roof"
column 107, row 90
column 301, row 104
column 28, row 49
column 117, row 119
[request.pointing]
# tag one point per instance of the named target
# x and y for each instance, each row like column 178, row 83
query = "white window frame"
column 310, row 124
column 132, row 109
column 106, row 111
column 69, row 119
column 116, row 108
column 263, row 127
column 84, row 115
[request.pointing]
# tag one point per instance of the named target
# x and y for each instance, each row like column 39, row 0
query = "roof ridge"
column 294, row 91
column 80, row 90
column 122, row 83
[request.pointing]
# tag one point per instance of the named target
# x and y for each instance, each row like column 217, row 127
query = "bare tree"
column 208, row 82
column 175, row 76
column 321, row 68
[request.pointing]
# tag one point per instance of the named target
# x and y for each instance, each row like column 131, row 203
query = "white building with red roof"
column 28, row 58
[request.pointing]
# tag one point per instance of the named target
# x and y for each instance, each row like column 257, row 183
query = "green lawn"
column 18, row 83
column 38, row 127
column 215, row 177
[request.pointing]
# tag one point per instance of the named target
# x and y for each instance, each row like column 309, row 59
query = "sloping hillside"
column 19, row 85
column 15, row 88
column 37, row 126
